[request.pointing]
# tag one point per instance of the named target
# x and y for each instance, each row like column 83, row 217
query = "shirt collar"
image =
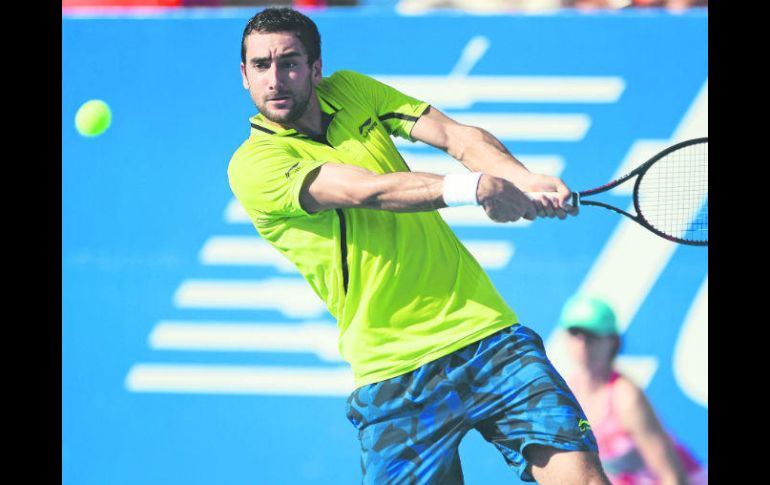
column 260, row 126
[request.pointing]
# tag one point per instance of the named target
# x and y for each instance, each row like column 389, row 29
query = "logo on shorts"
column 583, row 425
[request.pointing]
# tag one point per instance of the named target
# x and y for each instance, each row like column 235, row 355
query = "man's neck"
column 311, row 123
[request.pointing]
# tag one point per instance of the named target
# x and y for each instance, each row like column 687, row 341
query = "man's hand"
column 505, row 202
column 556, row 205
column 502, row 201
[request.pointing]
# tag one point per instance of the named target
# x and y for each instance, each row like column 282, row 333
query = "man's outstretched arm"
column 335, row 185
column 480, row 151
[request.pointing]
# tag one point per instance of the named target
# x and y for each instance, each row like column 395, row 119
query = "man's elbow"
column 462, row 138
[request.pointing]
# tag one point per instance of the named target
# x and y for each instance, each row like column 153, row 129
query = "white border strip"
column 474, row 216
column 551, row 127
column 254, row 251
column 243, row 251
column 228, row 379
column 311, row 337
column 536, row 127
column 694, row 124
column 491, row 255
column 691, row 354
column 291, row 296
column 462, row 92
column 443, row 164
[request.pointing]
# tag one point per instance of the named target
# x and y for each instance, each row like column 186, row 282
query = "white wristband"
column 460, row 189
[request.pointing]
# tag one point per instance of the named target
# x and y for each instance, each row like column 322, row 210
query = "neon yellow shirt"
column 403, row 288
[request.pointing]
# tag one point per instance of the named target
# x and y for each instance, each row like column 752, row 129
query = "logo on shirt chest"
column 366, row 127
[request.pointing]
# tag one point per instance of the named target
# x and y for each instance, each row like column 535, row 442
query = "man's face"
column 277, row 75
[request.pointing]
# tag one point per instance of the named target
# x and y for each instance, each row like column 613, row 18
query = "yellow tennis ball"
column 93, row 118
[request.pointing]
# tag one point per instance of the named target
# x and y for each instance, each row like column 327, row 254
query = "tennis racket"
column 670, row 193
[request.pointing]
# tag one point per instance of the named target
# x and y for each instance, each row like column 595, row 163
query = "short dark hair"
column 285, row 19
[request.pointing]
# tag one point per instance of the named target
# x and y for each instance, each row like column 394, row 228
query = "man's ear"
column 243, row 76
column 317, row 71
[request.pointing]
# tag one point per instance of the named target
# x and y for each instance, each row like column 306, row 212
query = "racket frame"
column 577, row 197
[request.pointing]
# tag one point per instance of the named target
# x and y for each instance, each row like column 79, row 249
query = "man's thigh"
column 409, row 428
column 517, row 399
column 411, row 454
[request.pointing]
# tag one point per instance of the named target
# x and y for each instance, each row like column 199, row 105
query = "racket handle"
column 534, row 195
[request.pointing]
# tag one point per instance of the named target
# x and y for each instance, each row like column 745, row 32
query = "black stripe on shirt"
column 260, row 128
column 333, row 107
column 399, row 116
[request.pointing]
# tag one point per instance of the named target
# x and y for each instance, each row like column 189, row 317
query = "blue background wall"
column 141, row 201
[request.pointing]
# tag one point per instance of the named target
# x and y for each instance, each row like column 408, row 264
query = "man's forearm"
column 480, row 151
column 335, row 185
column 417, row 191
column 404, row 192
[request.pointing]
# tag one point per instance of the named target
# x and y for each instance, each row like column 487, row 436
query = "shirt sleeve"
column 268, row 179
column 397, row 111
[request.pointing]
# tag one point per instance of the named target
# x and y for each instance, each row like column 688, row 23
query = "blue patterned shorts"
column 504, row 386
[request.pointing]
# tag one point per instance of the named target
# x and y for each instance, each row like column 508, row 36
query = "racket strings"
column 673, row 193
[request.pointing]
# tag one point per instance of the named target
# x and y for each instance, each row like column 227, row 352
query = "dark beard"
column 294, row 113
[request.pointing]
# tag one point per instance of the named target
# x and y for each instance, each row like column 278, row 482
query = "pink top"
column 621, row 459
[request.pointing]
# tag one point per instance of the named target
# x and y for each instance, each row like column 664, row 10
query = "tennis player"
column 435, row 350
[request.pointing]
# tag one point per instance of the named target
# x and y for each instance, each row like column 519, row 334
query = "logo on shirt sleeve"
column 293, row 168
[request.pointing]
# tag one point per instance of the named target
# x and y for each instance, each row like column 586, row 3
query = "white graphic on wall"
column 632, row 250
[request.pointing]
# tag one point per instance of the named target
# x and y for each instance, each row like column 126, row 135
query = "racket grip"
column 534, row 195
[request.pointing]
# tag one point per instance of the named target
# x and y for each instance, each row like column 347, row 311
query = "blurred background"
column 192, row 353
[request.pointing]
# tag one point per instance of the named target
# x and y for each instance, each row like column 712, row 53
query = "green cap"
column 589, row 313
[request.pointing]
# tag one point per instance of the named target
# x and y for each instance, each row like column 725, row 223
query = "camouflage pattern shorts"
column 504, row 386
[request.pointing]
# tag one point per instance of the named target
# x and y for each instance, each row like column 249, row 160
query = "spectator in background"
column 670, row 4
column 618, row 4
column 634, row 448
column 420, row 6
column 274, row 3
